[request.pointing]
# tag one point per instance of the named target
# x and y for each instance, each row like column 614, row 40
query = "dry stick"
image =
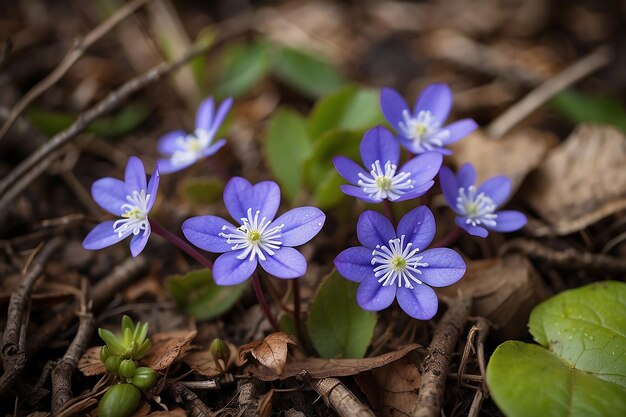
column 13, row 355
column 193, row 405
column 73, row 55
column 13, row 183
column 101, row 295
column 337, row 396
column 520, row 110
column 483, row 330
column 567, row 258
column 63, row 372
column 434, row 368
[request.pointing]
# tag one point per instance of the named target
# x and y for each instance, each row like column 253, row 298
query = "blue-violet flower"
column 184, row 149
column 260, row 238
column 131, row 200
column 380, row 153
column 422, row 130
column 392, row 264
column 477, row 206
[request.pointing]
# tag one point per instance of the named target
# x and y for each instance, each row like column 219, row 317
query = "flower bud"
column 113, row 363
column 127, row 368
column 221, row 353
column 144, row 377
column 120, row 400
column 104, row 353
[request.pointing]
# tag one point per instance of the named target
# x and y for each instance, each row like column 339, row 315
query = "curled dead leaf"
column 203, row 363
column 167, row 347
column 90, row 364
column 270, row 352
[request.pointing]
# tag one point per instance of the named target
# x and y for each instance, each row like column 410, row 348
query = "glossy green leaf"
column 286, row 147
column 198, row 295
column 201, row 190
column 307, row 73
column 338, row 327
column 580, row 107
column 243, row 66
column 351, row 108
column 579, row 370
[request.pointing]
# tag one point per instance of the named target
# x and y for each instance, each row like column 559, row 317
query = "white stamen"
column 397, row 262
column 254, row 236
column 425, row 130
column 385, row 183
column 479, row 209
column 191, row 147
column 135, row 217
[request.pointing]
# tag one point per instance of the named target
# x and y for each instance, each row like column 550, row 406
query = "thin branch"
column 337, row 396
column 193, row 405
column 73, row 55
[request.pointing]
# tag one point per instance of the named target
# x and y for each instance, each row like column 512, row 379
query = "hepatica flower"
column 131, row 200
column 383, row 179
column 258, row 238
column 422, row 129
column 393, row 264
column 184, row 149
column 477, row 207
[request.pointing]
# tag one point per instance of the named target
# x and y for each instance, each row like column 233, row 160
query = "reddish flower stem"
column 181, row 244
column 258, row 291
column 449, row 239
column 295, row 286
column 389, row 211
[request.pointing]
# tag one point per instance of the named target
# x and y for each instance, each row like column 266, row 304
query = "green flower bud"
column 113, row 363
column 127, row 368
column 115, row 345
column 120, row 400
column 144, row 377
column 127, row 323
column 221, row 353
column 104, row 353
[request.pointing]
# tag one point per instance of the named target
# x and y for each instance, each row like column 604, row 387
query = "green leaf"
column 306, row 73
column 286, row 147
column 582, row 372
column 338, row 327
column 201, row 190
column 328, row 192
column 243, row 66
column 580, row 107
column 351, row 108
column 198, row 295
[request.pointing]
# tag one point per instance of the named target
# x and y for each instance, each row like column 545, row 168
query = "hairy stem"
column 258, row 291
column 181, row 244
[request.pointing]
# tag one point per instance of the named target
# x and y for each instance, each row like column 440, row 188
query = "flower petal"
column 285, row 263
column 214, row 148
column 102, row 236
column 420, row 302
column 424, row 167
column 418, row 227
column 240, row 195
column 358, row 192
column 445, row 267
column 203, row 232
column 168, row 143
column 416, row 192
column 153, row 187
column 348, row 169
column 372, row 296
column 393, row 105
column 437, row 99
column 110, row 194
column 166, row 166
column 205, row 113
column 374, row 229
column 509, row 221
column 378, row 144
column 466, row 176
column 459, row 129
column 497, row 188
column 355, row 263
column 449, row 186
column 472, row 230
column 135, row 175
column 222, row 111
column 300, row 225
column 229, row 270
column 139, row 241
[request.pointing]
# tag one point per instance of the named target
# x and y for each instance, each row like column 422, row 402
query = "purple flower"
column 393, row 263
column 423, row 130
column 131, row 200
column 183, row 149
column 476, row 206
column 380, row 153
column 260, row 238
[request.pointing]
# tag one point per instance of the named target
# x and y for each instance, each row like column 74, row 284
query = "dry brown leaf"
column 582, row 180
column 504, row 289
column 90, row 364
column 514, row 155
column 325, row 368
column 202, row 362
column 271, row 351
column 265, row 404
column 166, row 347
column 142, row 411
column 176, row 412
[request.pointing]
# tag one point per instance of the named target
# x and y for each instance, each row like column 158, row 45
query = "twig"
column 13, row 183
column 434, row 368
column 567, row 258
column 101, row 295
column 337, row 396
column 63, row 372
column 193, row 405
column 536, row 98
column 78, row 49
column 13, row 355
column 208, row 384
